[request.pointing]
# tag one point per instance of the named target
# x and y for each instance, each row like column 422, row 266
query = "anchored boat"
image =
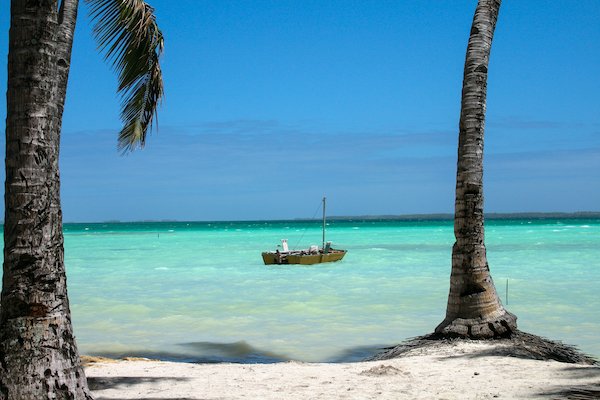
column 313, row 255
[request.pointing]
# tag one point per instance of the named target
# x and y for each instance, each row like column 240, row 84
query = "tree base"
column 517, row 344
column 475, row 328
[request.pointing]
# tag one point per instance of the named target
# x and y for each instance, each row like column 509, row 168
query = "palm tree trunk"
column 38, row 354
column 474, row 309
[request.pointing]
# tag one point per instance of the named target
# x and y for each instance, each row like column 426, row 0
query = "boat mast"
column 323, row 222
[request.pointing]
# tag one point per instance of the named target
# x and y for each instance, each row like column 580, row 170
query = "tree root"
column 517, row 344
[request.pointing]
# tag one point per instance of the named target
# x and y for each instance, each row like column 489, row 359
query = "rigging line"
column 304, row 231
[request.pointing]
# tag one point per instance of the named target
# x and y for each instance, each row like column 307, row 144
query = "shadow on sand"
column 525, row 346
column 577, row 392
column 103, row 383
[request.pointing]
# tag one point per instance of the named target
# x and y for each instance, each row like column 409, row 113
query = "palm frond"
column 127, row 33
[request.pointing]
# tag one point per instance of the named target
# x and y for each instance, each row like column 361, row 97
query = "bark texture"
column 38, row 354
column 474, row 308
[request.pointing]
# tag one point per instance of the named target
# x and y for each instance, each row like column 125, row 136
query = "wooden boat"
column 312, row 255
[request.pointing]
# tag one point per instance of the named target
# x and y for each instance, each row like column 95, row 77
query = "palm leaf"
column 127, row 33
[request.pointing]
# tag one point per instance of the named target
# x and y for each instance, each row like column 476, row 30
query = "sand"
column 463, row 370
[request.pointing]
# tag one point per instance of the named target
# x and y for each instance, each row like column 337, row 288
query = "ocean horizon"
column 401, row 217
column 199, row 292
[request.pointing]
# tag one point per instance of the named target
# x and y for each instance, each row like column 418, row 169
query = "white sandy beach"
column 463, row 370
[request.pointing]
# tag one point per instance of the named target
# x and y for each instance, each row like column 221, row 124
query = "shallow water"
column 200, row 292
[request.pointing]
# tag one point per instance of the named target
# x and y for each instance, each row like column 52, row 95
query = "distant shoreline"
column 399, row 217
column 391, row 217
column 442, row 216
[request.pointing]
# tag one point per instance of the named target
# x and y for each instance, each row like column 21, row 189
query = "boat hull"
column 302, row 259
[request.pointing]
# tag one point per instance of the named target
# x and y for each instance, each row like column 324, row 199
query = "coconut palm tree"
column 38, row 353
column 474, row 309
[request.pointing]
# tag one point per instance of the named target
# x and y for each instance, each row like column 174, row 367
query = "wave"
column 237, row 352
column 204, row 353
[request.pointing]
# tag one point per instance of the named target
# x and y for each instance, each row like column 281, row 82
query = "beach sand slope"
column 463, row 370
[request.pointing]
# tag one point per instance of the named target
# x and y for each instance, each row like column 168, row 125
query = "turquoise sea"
column 198, row 291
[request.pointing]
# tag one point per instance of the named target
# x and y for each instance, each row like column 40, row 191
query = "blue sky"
column 272, row 104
